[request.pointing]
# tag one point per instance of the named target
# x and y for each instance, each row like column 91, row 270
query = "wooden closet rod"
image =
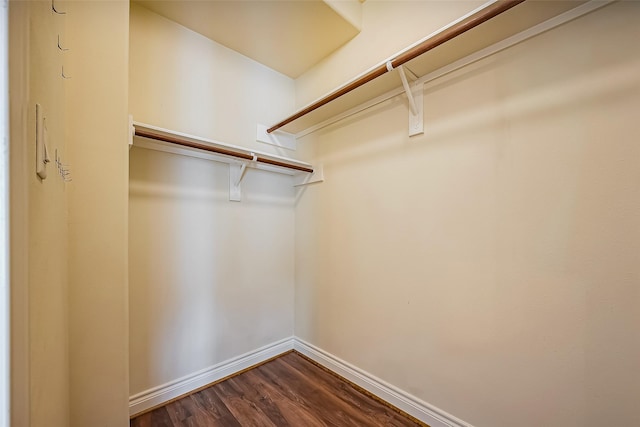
column 219, row 150
column 452, row 32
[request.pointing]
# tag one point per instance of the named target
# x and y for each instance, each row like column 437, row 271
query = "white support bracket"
column 303, row 178
column 236, row 174
column 416, row 121
column 414, row 93
column 235, row 191
column 415, row 97
column 278, row 138
column 243, row 168
column 407, row 90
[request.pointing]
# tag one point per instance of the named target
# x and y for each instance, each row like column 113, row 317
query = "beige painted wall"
column 181, row 80
column 97, row 136
column 209, row 279
column 490, row 267
column 40, row 365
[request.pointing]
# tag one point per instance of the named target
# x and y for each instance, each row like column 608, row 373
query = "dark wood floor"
column 287, row 391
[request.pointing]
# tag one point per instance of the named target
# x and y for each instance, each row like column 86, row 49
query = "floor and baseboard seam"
column 155, row 397
column 362, row 390
column 387, row 394
column 403, row 401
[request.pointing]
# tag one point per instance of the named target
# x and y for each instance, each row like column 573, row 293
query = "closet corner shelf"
column 494, row 26
column 156, row 138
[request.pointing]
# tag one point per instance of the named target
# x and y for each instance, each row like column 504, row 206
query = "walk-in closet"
column 321, row 212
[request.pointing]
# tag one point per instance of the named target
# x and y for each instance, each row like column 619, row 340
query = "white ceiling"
column 289, row 36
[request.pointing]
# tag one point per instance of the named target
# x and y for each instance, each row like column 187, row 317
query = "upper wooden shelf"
column 517, row 19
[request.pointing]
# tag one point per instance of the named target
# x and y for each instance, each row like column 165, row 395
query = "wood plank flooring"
column 287, row 391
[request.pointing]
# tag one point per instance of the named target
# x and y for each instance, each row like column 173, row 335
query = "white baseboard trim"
column 423, row 411
column 402, row 400
column 155, row 396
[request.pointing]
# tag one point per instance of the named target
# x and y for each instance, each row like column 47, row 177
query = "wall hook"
column 41, row 143
column 64, row 49
column 46, row 160
column 53, row 8
column 63, row 75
